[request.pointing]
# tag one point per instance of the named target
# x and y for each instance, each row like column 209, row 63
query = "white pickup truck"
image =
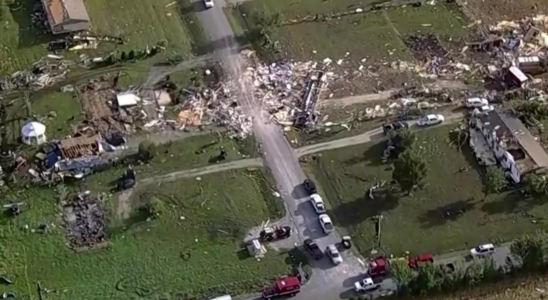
column 366, row 285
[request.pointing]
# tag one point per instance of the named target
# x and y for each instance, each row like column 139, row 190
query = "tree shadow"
column 512, row 202
column 372, row 155
column 446, row 213
column 363, row 208
column 29, row 33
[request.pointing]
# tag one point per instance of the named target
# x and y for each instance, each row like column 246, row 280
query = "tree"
column 410, row 170
column 147, row 150
column 494, row 180
column 131, row 55
column 402, row 139
column 402, row 275
column 530, row 250
column 427, row 279
column 537, row 184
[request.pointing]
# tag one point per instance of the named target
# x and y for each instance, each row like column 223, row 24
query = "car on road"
column 325, row 222
column 482, row 250
column 430, row 120
column 209, row 3
column 476, row 102
column 317, row 203
column 313, row 249
column 366, row 285
column 310, row 186
column 394, row 126
column 334, row 254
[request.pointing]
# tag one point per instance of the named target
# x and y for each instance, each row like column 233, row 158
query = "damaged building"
column 511, row 143
column 66, row 16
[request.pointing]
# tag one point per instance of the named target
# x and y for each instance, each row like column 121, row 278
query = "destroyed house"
column 80, row 147
column 66, row 16
column 513, row 145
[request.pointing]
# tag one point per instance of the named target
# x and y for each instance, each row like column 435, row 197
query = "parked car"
column 430, row 120
column 394, row 126
column 310, row 186
column 317, row 203
column 209, row 3
column 313, row 249
column 481, row 250
column 325, row 222
column 366, row 285
column 484, row 110
column 476, row 102
column 334, row 254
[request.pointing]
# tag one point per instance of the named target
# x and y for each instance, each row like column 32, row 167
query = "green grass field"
column 376, row 35
column 66, row 108
column 165, row 258
column 300, row 8
column 20, row 43
column 192, row 152
column 140, row 23
column 419, row 223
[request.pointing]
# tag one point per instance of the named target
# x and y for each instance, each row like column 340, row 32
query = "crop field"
column 140, row 23
column 450, row 213
column 193, row 249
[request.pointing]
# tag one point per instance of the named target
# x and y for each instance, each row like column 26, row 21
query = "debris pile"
column 82, row 41
column 288, row 91
column 45, row 72
column 85, row 221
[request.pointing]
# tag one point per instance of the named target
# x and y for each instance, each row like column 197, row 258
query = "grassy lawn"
column 140, row 23
column 20, row 43
column 300, row 8
column 166, row 258
column 193, row 152
column 376, row 35
column 419, row 223
column 65, row 106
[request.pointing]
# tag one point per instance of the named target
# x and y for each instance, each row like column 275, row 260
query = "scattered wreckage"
column 85, row 220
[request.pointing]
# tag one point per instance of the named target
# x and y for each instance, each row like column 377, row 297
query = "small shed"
column 33, row 133
column 65, row 16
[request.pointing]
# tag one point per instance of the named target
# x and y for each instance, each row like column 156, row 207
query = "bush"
column 147, row 150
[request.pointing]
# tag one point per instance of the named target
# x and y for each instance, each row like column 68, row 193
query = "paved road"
column 278, row 156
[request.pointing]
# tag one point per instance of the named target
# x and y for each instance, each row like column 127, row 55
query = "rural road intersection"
column 327, row 282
